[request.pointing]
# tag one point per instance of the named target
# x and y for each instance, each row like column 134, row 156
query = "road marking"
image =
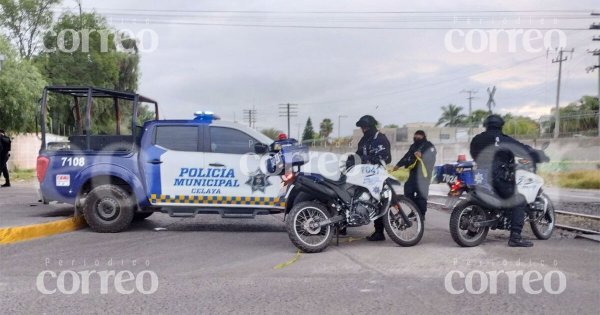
column 16, row 234
column 289, row 262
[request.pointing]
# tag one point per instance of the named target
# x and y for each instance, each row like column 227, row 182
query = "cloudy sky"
column 390, row 59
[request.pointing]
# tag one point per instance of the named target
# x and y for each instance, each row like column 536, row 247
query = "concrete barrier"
column 25, row 148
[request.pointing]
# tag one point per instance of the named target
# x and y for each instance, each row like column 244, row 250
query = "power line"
column 250, row 117
column 288, row 110
column 346, row 12
column 559, row 60
column 470, row 98
column 282, row 26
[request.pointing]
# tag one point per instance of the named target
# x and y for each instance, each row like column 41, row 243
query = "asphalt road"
column 212, row 265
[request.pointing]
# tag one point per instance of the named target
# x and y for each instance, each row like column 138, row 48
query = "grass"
column 22, row 175
column 588, row 179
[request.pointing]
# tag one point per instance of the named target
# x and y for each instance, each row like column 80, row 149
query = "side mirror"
column 545, row 145
column 261, row 148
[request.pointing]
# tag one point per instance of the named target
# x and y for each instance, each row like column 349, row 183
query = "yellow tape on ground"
column 289, row 262
column 15, row 234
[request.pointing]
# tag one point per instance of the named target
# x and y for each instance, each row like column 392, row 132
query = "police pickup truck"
column 180, row 167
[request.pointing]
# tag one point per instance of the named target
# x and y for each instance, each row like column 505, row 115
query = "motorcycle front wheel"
column 398, row 229
column 461, row 224
column 543, row 226
column 303, row 230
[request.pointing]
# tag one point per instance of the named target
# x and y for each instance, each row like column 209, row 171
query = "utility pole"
column 470, row 98
column 288, row 110
column 559, row 60
column 250, row 116
column 339, row 123
column 299, row 125
column 596, row 52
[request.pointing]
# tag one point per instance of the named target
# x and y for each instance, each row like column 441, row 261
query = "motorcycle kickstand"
column 337, row 235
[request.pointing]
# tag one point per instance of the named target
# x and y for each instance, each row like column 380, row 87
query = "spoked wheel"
column 303, row 227
column 399, row 230
column 461, row 224
column 543, row 225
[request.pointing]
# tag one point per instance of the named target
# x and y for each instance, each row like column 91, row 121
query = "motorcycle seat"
column 494, row 202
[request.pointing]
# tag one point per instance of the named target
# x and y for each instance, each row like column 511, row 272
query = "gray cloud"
column 399, row 76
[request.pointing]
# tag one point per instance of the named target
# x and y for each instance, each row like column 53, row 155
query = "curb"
column 16, row 234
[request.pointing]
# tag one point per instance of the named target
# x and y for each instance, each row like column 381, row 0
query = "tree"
column 21, row 85
column 24, row 21
column 520, row 126
column 325, row 128
column 100, row 63
column 309, row 132
column 271, row 133
column 451, row 116
column 477, row 117
column 391, row 126
column 578, row 117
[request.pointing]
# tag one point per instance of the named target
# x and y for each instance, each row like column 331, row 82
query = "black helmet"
column 367, row 121
column 493, row 122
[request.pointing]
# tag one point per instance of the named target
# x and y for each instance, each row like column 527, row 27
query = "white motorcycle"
column 473, row 217
column 317, row 205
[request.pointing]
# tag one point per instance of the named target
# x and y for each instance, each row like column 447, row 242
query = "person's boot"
column 7, row 184
column 516, row 240
column 376, row 237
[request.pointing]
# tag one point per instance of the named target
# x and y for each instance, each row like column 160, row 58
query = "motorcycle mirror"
column 261, row 148
column 545, row 145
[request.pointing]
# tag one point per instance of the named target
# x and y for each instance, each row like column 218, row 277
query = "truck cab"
column 180, row 167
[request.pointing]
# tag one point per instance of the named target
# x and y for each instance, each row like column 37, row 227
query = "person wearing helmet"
column 373, row 148
column 495, row 152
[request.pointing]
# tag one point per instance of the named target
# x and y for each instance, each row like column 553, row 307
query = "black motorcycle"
column 474, row 216
column 362, row 194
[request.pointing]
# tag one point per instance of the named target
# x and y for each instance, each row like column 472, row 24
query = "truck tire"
column 108, row 209
column 139, row 216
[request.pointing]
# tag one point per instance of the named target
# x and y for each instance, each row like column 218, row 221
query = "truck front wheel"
column 108, row 209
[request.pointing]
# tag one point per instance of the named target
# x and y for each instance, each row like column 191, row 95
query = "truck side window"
column 177, row 138
column 232, row 141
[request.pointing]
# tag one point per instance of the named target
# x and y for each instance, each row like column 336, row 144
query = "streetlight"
column 1, row 61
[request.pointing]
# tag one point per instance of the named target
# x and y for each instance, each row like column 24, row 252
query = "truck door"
column 237, row 176
column 173, row 156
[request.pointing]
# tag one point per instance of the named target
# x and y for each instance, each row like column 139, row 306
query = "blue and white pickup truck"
column 180, row 167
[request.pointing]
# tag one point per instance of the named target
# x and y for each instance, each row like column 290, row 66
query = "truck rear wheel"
column 108, row 209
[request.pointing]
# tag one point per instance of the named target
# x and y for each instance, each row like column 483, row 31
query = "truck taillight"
column 42, row 166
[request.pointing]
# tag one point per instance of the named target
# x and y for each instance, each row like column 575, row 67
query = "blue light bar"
column 205, row 116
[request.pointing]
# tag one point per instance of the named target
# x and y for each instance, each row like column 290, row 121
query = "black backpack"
column 6, row 143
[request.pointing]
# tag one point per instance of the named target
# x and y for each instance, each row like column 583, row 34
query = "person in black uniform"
column 373, row 148
column 495, row 153
column 420, row 158
column 5, row 144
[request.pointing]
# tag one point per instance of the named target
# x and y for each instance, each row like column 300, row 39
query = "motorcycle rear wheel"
column 463, row 214
column 397, row 229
